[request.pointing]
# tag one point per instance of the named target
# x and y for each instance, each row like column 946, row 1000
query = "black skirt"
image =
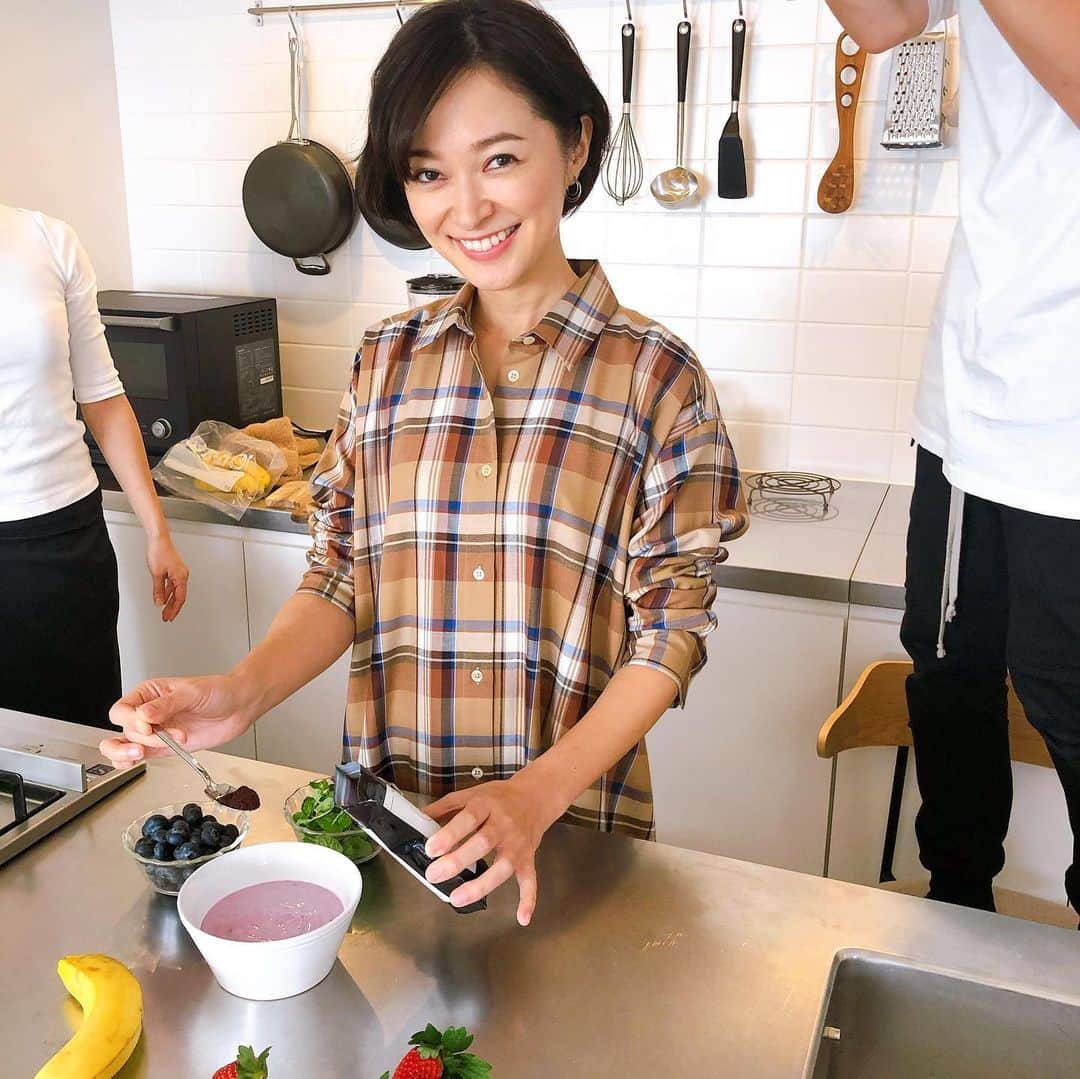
column 59, row 604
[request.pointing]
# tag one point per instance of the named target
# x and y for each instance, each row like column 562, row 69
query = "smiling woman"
column 517, row 44
column 526, row 490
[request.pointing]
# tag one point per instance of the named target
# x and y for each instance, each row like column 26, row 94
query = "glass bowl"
column 167, row 877
column 355, row 842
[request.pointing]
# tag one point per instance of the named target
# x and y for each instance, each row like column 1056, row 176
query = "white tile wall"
column 811, row 326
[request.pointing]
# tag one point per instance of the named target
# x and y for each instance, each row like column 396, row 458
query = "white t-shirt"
column 52, row 354
column 999, row 397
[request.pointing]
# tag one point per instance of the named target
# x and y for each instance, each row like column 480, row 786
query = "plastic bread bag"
column 221, row 467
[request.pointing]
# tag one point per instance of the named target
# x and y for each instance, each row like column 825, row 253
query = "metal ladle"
column 679, row 185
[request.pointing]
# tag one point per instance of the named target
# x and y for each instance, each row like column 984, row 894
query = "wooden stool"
column 875, row 713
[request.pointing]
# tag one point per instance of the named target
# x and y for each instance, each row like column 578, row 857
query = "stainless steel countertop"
column 805, row 557
column 878, row 579
column 643, row 960
column 814, row 559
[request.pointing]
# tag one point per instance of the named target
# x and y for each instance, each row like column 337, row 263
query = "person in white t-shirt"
column 993, row 584
column 59, row 598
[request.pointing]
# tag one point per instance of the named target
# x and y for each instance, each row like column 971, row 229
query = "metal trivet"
column 791, row 495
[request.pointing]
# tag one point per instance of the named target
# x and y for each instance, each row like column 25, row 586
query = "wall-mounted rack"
column 259, row 10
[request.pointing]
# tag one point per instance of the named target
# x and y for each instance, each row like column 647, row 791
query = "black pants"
column 1017, row 611
column 59, row 602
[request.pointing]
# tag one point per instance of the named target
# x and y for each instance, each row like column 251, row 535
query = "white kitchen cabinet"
column 305, row 730
column 1038, row 848
column 737, row 773
column 211, row 632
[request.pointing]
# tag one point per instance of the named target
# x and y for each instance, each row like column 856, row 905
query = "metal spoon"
column 678, row 185
column 231, row 797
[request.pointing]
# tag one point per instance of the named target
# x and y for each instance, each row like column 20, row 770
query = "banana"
column 112, row 1005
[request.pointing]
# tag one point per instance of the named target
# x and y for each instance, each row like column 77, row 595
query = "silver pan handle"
column 142, row 322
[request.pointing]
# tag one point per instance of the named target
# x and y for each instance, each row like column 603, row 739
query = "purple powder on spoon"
column 242, row 798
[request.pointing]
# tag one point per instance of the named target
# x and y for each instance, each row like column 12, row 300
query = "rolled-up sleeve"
column 330, row 573
column 689, row 506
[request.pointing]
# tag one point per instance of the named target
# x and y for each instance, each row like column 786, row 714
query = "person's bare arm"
column 307, row 635
column 116, row 431
column 880, row 25
column 1046, row 36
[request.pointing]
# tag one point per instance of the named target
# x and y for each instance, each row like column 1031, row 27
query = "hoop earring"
column 574, row 192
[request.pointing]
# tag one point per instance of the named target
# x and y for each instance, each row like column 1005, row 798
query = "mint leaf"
column 356, row 847
column 325, row 841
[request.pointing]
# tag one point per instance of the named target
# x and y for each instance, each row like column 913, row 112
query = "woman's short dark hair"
column 522, row 45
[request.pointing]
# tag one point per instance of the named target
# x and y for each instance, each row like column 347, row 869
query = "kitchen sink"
column 888, row 1019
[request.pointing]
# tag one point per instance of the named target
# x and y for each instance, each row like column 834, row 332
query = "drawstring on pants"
column 950, row 581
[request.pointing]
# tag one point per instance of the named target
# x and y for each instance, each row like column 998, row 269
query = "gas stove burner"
column 49, row 772
column 792, row 495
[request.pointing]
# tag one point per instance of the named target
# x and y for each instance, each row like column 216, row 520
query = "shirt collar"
column 570, row 327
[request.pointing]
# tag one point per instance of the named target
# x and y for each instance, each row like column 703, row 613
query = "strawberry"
column 440, row 1055
column 415, row 1066
column 246, row 1065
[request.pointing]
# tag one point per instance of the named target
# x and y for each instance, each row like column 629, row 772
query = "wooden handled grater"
column 836, row 192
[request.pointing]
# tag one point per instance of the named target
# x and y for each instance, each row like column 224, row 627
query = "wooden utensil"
column 836, row 192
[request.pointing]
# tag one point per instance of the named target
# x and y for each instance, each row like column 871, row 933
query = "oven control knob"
column 161, row 428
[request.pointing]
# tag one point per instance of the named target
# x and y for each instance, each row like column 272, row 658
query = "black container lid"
column 436, row 284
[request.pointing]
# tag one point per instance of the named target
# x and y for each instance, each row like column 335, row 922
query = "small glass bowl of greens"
column 313, row 817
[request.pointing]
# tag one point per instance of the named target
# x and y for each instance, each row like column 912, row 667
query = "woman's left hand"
column 506, row 817
column 169, row 574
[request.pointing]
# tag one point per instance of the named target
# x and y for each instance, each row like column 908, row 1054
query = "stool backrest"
column 875, row 713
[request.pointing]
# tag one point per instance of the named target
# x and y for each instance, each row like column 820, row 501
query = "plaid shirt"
column 503, row 552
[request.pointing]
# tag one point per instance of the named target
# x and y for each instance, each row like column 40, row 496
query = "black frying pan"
column 394, row 232
column 298, row 196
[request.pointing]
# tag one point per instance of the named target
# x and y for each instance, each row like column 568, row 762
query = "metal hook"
column 295, row 31
column 629, row 14
column 740, row 9
column 397, row 12
column 684, row 12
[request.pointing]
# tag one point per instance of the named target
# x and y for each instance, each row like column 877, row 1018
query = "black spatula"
column 732, row 170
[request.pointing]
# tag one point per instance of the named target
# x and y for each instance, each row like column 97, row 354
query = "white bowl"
column 270, row 969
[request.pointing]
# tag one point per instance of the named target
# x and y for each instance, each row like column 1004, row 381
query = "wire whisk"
column 624, row 171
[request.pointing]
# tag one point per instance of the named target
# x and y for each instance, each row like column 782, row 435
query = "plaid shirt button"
column 477, row 675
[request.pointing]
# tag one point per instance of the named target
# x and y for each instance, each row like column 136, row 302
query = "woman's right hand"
column 199, row 713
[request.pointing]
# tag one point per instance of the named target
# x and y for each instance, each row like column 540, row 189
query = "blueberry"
column 205, row 848
column 145, row 848
column 210, row 819
column 229, row 833
column 176, row 817
column 163, row 852
column 182, row 827
column 186, row 851
column 151, row 824
column 210, row 834
column 192, row 814
column 158, row 834
column 174, row 838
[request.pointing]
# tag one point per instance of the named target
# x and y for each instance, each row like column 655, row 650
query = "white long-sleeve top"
column 53, row 354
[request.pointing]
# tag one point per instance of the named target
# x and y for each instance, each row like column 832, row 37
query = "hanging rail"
column 356, row 5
